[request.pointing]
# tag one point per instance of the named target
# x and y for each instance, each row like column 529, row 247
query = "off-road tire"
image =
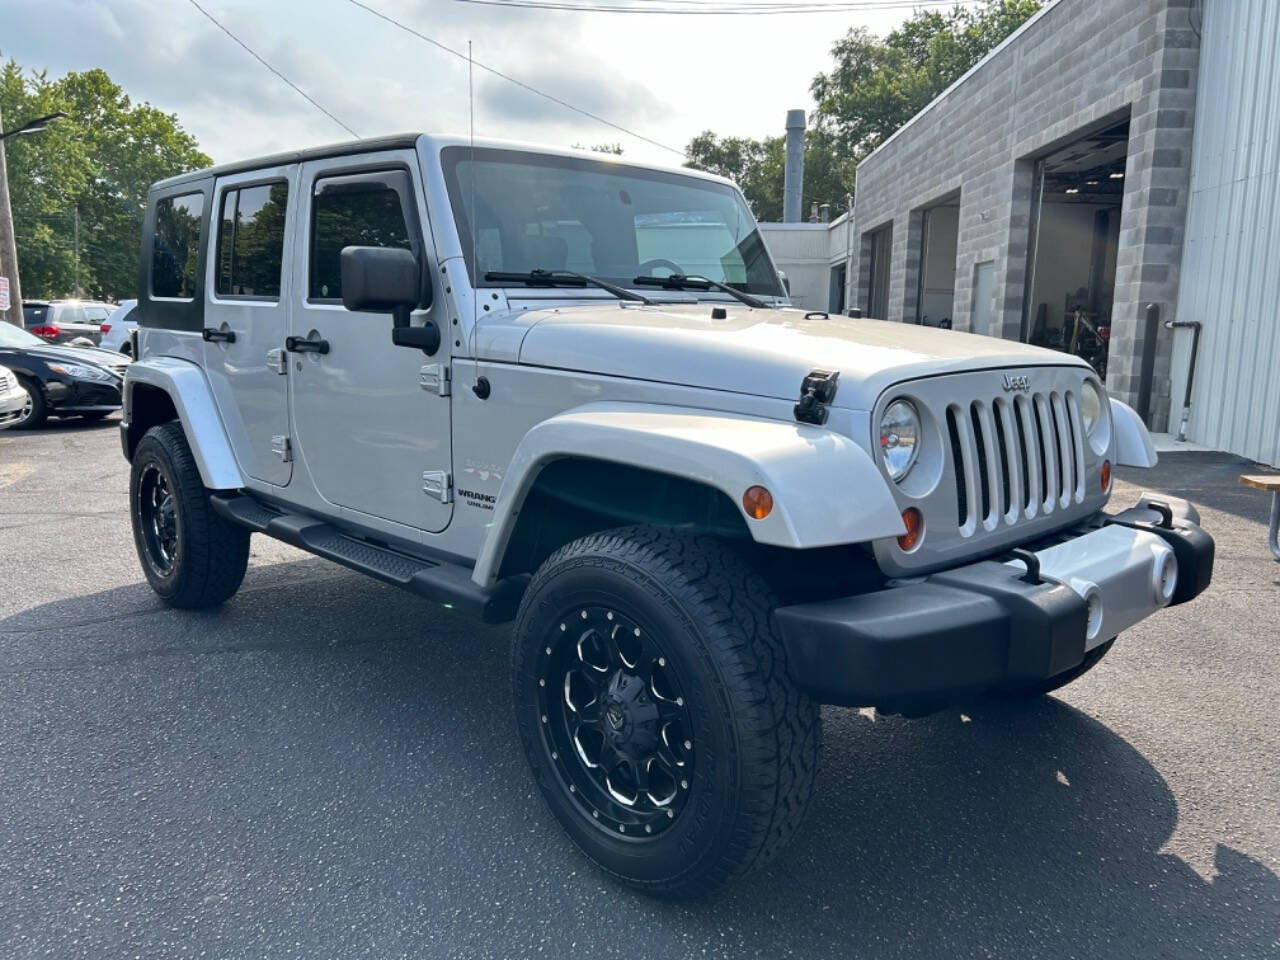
column 211, row 553
column 756, row 735
column 39, row 415
column 1041, row 687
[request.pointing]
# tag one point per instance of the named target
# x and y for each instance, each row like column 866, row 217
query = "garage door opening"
column 939, row 232
column 1075, row 234
column 879, row 246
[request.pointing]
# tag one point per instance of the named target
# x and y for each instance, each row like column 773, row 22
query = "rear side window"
column 96, row 314
column 176, row 246
column 251, row 241
column 350, row 214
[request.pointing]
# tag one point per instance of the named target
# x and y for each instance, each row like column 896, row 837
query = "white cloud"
column 667, row 77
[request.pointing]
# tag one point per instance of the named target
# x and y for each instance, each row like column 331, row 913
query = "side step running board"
column 439, row 580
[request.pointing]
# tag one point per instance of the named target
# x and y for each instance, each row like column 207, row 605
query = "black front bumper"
column 74, row 395
column 916, row 647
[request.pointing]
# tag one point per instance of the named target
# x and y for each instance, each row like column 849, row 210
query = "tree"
column 874, row 87
column 613, row 148
column 758, row 166
column 878, row 85
column 99, row 160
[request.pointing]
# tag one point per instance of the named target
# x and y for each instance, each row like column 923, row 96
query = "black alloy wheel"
column 615, row 721
column 157, row 520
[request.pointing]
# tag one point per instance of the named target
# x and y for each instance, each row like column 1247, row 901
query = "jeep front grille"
column 1015, row 457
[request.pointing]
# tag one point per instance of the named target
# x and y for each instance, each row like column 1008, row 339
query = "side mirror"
column 389, row 280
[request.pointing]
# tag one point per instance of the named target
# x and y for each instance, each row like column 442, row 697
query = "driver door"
column 372, row 438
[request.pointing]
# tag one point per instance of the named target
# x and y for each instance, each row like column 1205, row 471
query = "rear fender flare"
column 187, row 388
column 826, row 489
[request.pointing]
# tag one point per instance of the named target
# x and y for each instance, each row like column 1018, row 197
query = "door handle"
column 301, row 345
column 214, row 335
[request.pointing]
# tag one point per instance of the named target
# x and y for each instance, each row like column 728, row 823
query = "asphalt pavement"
column 327, row 767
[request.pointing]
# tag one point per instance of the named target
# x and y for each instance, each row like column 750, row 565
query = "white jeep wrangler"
column 567, row 391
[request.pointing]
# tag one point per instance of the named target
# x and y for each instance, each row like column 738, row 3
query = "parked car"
column 64, row 321
column 13, row 398
column 540, row 387
column 61, row 381
column 115, row 330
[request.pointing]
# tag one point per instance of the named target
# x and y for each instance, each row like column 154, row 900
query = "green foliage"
column 874, row 87
column 757, row 167
column 101, row 158
column 613, row 148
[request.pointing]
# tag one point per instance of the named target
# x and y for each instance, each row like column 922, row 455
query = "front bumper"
column 919, row 645
column 11, row 404
column 78, row 396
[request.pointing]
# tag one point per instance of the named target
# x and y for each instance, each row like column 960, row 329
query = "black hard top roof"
column 390, row 142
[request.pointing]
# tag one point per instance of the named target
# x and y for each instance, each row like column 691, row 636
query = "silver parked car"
column 13, row 398
column 66, row 321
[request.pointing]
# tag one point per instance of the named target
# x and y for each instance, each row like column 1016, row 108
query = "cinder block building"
column 1112, row 167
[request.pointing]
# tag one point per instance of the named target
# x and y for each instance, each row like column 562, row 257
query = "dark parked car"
column 65, row 321
column 61, row 381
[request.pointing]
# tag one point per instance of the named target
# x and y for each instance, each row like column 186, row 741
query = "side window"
column 350, row 213
column 176, row 246
column 251, row 241
column 96, row 314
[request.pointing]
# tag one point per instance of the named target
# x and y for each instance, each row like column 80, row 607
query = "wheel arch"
column 696, row 465
column 163, row 389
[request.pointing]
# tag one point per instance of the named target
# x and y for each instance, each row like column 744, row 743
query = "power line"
column 727, row 8
column 249, row 50
column 510, row 79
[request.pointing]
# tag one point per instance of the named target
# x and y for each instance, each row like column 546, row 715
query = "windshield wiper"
column 564, row 278
column 678, row 281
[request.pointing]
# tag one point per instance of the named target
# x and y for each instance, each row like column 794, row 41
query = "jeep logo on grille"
column 1016, row 383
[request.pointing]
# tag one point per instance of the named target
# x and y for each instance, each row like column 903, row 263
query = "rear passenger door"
column 245, row 317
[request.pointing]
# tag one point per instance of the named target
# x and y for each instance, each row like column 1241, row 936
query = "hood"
column 98, row 357
column 760, row 352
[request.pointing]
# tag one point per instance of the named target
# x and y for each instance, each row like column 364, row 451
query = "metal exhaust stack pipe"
column 793, row 176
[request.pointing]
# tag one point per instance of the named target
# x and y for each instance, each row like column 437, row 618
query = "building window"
column 351, row 213
column 251, row 241
column 175, row 247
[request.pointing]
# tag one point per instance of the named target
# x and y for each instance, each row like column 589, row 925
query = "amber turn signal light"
column 913, row 520
column 1106, row 474
column 758, row 502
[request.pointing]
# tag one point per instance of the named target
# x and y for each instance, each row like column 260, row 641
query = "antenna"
column 475, row 221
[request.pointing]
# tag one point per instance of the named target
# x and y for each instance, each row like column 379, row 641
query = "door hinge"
column 277, row 361
column 282, row 448
column 438, row 484
column 435, row 377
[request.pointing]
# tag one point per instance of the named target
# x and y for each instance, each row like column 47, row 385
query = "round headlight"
column 899, row 438
column 1094, row 411
column 1090, row 406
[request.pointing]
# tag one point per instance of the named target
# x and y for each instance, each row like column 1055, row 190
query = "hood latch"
column 816, row 392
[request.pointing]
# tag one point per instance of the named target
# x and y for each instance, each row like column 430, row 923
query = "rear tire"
column 192, row 557
column 685, row 630
column 1041, row 687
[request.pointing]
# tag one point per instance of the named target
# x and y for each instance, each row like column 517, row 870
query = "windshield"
column 600, row 218
column 11, row 336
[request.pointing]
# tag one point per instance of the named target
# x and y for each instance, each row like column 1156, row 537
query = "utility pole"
column 75, row 233
column 8, row 247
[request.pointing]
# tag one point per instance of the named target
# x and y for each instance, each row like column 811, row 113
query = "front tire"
column 192, row 557
column 656, row 711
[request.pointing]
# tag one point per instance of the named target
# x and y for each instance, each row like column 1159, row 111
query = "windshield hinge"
column 435, row 378
column 438, row 484
column 816, row 392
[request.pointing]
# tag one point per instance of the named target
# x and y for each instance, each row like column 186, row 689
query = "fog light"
column 758, row 502
column 913, row 520
column 1106, row 475
column 1164, row 575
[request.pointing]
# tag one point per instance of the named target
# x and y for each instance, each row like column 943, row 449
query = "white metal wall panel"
column 1231, row 257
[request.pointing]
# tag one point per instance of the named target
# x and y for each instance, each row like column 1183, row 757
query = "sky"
column 665, row 77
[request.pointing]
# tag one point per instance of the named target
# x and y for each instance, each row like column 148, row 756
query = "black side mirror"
column 389, row 280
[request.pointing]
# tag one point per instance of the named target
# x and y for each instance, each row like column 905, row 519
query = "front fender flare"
column 192, row 398
column 1133, row 443
column 826, row 488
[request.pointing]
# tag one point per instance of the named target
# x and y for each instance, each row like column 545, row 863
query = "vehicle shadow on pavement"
column 1018, row 829
column 333, row 756
column 55, row 426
